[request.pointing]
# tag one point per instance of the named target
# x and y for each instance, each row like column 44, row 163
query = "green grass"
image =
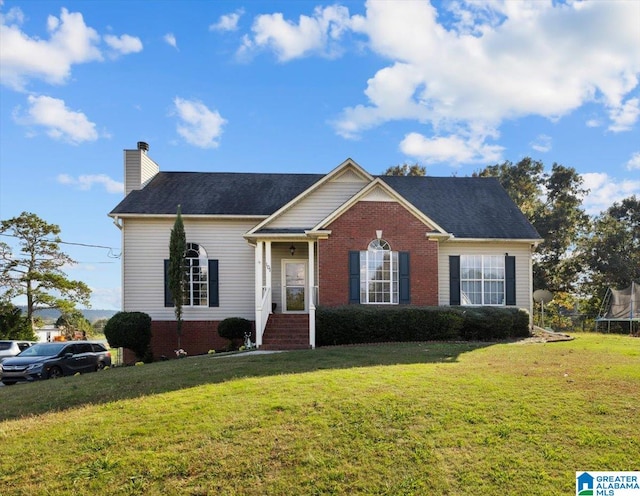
column 428, row 418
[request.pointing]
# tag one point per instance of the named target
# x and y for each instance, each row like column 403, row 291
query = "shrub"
column 374, row 324
column 491, row 323
column 234, row 328
column 130, row 330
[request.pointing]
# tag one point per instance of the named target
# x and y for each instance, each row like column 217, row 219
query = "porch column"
column 258, row 291
column 268, row 276
column 311, row 293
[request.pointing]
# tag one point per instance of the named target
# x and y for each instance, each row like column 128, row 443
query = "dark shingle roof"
column 468, row 207
column 215, row 193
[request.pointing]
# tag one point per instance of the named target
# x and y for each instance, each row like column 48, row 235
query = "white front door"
column 294, row 282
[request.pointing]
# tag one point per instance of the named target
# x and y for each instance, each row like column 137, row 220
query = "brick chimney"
column 139, row 168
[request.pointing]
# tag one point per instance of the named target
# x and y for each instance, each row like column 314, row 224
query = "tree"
column 522, row 181
column 560, row 221
column 553, row 204
column 73, row 322
column 98, row 326
column 177, row 270
column 406, row 170
column 13, row 325
column 36, row 272
column 610, row 252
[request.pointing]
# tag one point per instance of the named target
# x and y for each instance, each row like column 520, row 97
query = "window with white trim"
column 379, row 274
column 197, row 276
column 482, row 280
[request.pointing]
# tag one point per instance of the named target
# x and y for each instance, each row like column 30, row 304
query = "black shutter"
column 454, row 280
column 168, row 299
column 354, row 277
column 403, row 273
column 510, row 280
column 214, row 286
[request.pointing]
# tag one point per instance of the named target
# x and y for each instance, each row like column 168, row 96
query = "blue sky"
column 299, row 86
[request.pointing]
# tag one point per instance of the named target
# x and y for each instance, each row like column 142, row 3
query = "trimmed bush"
column 130, row 330
column 491, row 323
column 372, row 324
column 234, row 328
column 375, row 324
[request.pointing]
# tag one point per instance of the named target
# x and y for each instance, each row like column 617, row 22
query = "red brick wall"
column 356, row 228
column 198, row 337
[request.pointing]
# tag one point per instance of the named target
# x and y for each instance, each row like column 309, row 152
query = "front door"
column 294, row 283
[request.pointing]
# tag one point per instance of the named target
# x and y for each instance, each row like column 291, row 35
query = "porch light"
column 292, row 250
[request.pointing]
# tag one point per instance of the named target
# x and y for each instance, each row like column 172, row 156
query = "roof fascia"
column 377, row 182
column 339, row 170
column 529, row 241
column 187, row 216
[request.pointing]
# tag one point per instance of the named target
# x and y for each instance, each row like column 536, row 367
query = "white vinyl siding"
column 521, row 251
column 146, row 246
column 139, row 169
column 318, row 205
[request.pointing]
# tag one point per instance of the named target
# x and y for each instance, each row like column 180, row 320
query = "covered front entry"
column 285, row 275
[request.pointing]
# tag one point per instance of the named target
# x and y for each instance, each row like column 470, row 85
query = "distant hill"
column 89, row 313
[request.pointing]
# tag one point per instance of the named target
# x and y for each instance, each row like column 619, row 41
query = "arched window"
column 196, row 285
column 379, row 274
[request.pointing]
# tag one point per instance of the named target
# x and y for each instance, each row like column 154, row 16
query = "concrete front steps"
column 286, row 332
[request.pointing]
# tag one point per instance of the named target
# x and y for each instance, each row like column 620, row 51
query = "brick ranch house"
column 272, row 247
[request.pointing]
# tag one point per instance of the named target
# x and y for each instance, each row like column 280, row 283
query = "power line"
column 110, row 254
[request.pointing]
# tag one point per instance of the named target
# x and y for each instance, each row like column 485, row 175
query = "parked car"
column 11, row 348
column 53, row 360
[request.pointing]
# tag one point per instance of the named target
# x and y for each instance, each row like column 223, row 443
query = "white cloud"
column 60, row 122
column 542, row 143
column 593, row 123
column 451, row 149
column 70, row 41
column 123, row 44
column 170, row 39
column 605, row 190
column 318, row 34
column 86, row 182
column 200, row 126
column 634, row 161
column 625, row 116
column 527, row 58
column 227, row 22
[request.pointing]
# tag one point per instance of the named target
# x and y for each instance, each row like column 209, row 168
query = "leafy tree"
column 560, row 221
column 610, row 252
column 522, row 181
column 177, row 270
column 553, row 204
column 36, row 272
column 98, row 326
column 72, row 322
column 130, row 330
column 406, row 170
column 13, row 325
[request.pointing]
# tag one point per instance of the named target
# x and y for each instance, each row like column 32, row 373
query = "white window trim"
column 393, row 270
column 464, row 299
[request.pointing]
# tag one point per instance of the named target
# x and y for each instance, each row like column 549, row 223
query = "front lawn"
column 428, row 418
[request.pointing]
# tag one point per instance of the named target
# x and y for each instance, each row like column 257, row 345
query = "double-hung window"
column 379, row 274
column 197, row 276
column 482, row 280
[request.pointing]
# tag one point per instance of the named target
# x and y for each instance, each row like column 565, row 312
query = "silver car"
column 10, row 348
